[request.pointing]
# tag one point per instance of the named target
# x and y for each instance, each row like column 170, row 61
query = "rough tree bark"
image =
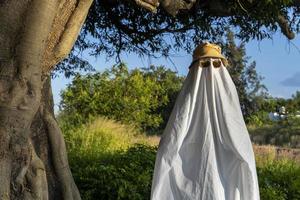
column 34, row 36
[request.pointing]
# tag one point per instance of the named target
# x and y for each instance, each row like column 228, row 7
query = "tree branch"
column 218, row 8
column 72, row 30
column 285, row 27
column 150, row 5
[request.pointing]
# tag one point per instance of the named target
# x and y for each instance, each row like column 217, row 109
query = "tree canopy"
column 248, row 82
column 117, row 26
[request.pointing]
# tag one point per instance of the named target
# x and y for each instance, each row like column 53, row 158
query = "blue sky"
column 277, row 60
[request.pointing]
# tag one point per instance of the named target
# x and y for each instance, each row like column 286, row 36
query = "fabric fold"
column 205, row 152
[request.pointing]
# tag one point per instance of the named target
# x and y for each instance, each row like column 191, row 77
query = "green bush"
column 143, row 97
column 108, row 164
column 121, row 175
column 127, row 175
column 279, row 180
column 259, row 119
column 109, row 160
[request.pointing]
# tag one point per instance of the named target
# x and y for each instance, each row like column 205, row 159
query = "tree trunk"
column 48, row 143
column 34, row 36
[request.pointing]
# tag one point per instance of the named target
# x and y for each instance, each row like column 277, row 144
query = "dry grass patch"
column 268, row 153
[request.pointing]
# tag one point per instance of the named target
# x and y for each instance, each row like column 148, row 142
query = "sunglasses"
column 206, row 63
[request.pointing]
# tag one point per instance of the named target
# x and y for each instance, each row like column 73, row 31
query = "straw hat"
column 208, row 50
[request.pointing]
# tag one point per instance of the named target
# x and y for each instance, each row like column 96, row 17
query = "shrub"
column 258, row 119
column 121, row 175
column 254, row 120
column 110, row 160
column 279, row 180
column 107, row 163
column 283, row 133
column 127, row 175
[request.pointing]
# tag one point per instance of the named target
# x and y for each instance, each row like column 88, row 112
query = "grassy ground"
column 112, row 161
column 104, row 136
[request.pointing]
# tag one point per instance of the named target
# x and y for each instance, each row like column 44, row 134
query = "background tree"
column 35, row 35
column 293, row 104
column 247, row 81
column 143, row 97
column 146, row 97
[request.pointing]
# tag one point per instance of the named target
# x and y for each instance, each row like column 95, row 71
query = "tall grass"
column 103, row 136
column 265, row 154
column 110, row 163
column 110, row 160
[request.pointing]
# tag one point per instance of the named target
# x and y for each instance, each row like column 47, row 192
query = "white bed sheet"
column 205, row 152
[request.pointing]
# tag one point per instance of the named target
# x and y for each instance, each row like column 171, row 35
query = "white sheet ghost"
column 205, row 152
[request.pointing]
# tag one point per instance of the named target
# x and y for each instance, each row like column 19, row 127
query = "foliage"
column 279, row 180
column 71, row 66
column 259, row 118
column 128, row 175
column 110, row 160
column 122, row 175
column 145, row 97
column 170, row 83
column 247, row 81
column 100, row 137
column 293, row 104
column 141, row 97
column 105, row 167
column 283, row 133
column 255, row 120
column 271, row 104
column 113, row 27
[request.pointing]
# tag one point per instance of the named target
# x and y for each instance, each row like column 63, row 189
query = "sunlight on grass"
column 104, row 136
column 110, row 160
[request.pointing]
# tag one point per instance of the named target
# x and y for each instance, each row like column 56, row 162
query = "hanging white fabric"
column 205, row 152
